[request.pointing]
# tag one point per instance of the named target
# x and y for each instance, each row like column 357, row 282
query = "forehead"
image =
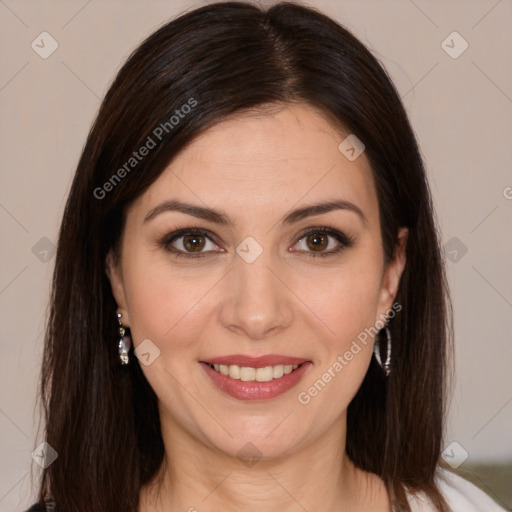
column 253, row 161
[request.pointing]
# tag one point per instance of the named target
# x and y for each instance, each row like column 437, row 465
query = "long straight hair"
column 223, row 59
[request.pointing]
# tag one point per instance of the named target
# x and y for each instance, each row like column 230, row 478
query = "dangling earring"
column 386, row 365
column 124, row 343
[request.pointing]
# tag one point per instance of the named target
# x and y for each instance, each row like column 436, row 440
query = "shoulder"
column 461, row 496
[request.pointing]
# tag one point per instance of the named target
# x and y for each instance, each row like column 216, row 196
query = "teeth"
column 234, row 371
column 278, row 371
column 246, row 373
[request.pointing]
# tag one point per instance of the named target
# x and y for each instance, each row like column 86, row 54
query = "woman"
column 249, row 306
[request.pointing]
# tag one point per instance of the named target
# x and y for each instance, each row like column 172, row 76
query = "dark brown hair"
column 102, row 418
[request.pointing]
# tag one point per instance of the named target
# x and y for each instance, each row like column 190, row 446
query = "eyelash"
column 344, row 240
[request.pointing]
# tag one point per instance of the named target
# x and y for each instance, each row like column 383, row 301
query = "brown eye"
column 323, row 241
column 194, row 243
column 190, row 243
column 317, row 241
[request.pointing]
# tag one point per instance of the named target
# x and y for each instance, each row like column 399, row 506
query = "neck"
column 319, row 476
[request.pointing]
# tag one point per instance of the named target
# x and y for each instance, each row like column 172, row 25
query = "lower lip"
column 253, row 390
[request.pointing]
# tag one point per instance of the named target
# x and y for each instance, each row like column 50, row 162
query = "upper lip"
column 255, row 362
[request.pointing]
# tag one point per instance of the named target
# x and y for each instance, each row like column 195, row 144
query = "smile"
column 249, row 378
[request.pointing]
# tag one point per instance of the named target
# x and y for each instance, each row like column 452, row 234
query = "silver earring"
column 124, row 343
column 386, row 365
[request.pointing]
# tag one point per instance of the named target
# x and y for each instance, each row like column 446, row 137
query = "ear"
column 115, row 276
column 392, row 275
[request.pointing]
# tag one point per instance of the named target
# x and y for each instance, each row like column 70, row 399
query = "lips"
column 255, row 378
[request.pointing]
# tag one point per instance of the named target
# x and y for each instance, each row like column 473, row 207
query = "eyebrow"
column 222, row 219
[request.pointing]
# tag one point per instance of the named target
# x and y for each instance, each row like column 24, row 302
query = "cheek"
column 164, row 302
column 345, row 299
column 169, row 308
column 343, row 352
column 345, row 306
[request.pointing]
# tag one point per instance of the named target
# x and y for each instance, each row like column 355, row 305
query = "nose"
column 256, row 303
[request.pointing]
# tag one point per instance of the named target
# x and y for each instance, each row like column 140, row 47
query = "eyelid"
column 323, row 229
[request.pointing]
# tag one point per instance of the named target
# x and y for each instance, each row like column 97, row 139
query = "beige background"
column 460, row 108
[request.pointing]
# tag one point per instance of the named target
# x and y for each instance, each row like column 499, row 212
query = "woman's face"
column 269, row 278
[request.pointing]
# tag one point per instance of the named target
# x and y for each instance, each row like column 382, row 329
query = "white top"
column 461, row 496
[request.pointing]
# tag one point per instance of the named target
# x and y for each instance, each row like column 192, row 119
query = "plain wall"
column 460, row 108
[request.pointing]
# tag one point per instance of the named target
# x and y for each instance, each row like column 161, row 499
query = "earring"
column 386, row 365
column 124, row 343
